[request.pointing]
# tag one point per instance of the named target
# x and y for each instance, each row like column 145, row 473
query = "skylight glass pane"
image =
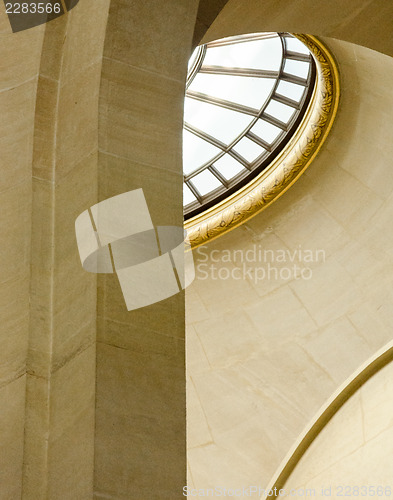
column 205, row 182
column 251, row 92
column 221, row 123
column 188, row 196
column 266, row 131
column 249, row 149
column 297, row 68
column 295, row 45
column 258, row 54
column 280, row 111
column 228, row 166
column 291, row 90
column 196, row 152
column 226, row 127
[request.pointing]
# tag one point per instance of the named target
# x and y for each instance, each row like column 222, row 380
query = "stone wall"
column 264, row 355
column 141, row 407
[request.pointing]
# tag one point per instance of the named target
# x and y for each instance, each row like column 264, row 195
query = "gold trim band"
column 287, row 167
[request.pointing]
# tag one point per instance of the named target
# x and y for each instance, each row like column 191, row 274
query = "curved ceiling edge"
column 380, row 359
column 286, row 168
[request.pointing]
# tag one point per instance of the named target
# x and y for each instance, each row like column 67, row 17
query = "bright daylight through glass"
column 245, row 96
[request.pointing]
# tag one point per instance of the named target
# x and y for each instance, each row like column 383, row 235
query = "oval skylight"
column 245, row 97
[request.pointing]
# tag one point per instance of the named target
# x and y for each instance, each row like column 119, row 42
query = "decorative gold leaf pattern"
column 288, row 166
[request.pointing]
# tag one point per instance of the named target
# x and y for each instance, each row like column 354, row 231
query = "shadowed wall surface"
column 364, row 22
column 60, row 397
column 140, row 407
column 18, row 83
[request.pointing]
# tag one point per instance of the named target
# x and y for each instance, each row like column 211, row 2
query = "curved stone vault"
column 93, row 398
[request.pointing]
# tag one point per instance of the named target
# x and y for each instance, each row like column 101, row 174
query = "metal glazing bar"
column 222, row 103
column 258, row 140
column 240, row 159
column 197, row 64
column 205, row 136
column 273, row 121
column 223, row 70
column 286, row 101
column 294, row 79
column 194, row 191
column 297, row 56
column 218, row 175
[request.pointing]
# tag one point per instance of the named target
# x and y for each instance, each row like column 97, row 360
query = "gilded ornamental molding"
column 287, row 167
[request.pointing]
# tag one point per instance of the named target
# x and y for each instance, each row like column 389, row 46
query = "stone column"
column 141, row 412
column 20, row 57
column 59, row 432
